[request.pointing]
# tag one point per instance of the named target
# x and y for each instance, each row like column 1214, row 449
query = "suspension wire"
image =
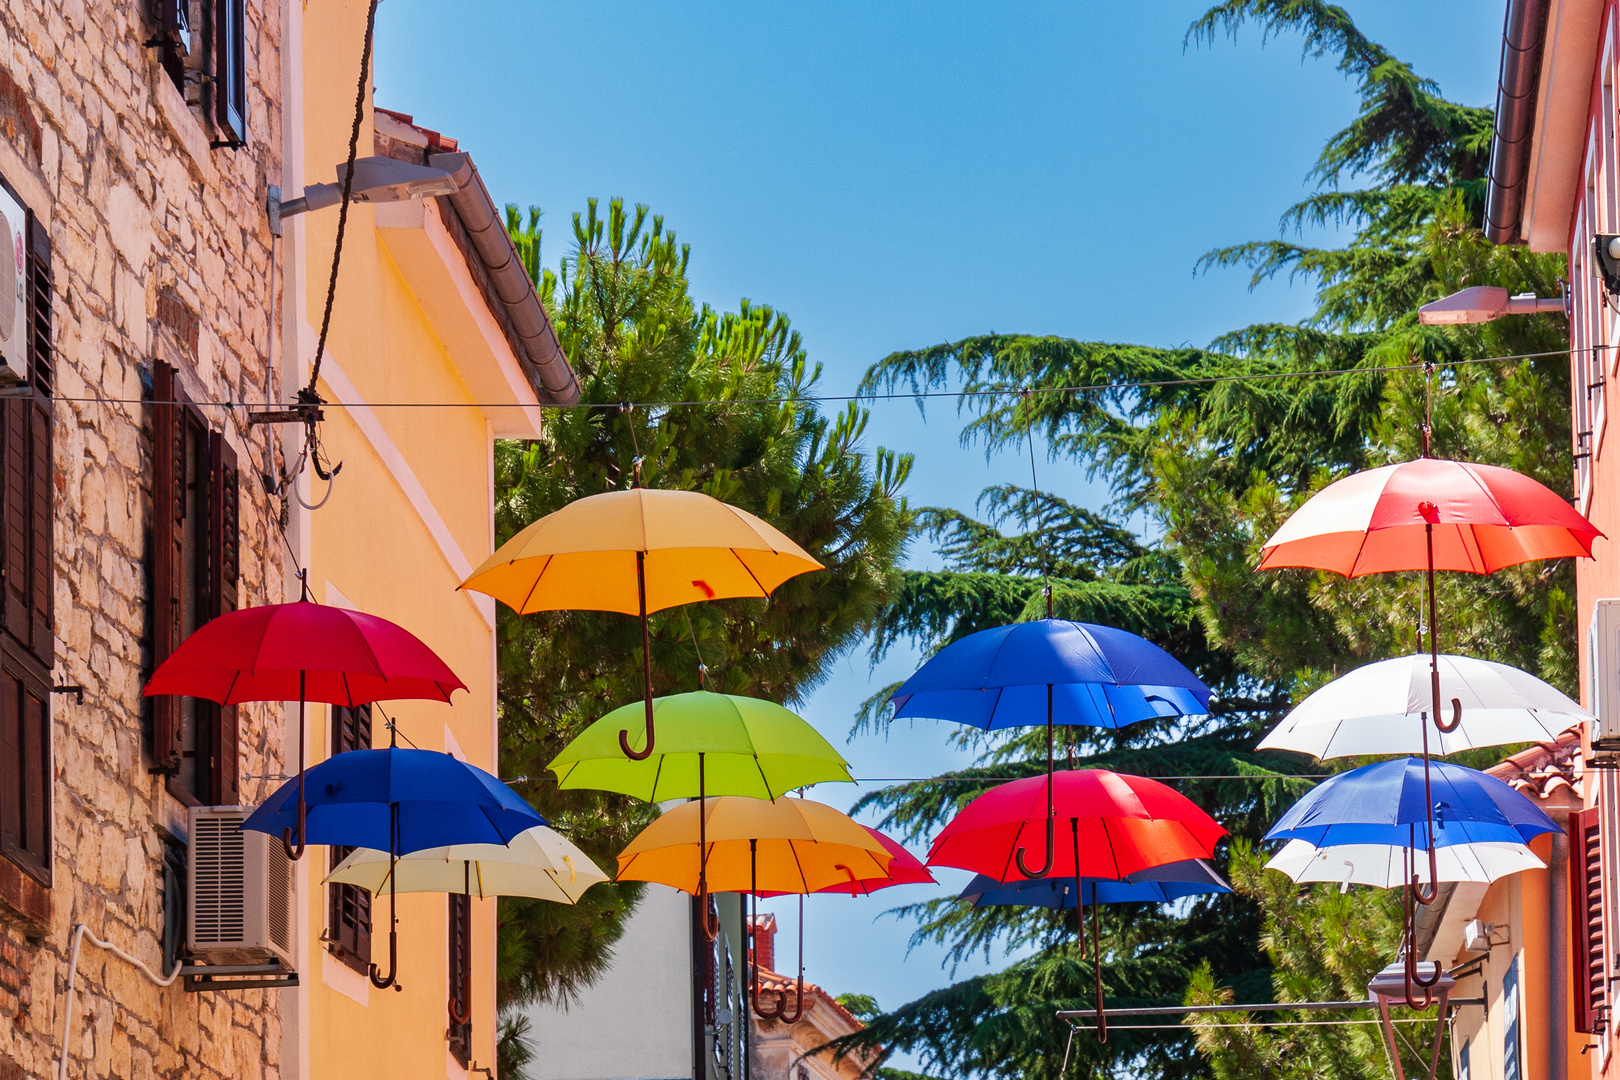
column 1002, row 779
column 1193, row 1027
column 308, row 395
column 703, row 669
column 897, row 395
column 1035, row 486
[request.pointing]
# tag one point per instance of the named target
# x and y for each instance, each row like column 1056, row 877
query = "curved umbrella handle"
column 1427, row 895
column 296, row 852
column 1456, row 718
column 710, row 930
column 373, row 970
column 780, row 1011
column 1040, row 871
column 646, row 666
column 459, row 1018
column 854, row 882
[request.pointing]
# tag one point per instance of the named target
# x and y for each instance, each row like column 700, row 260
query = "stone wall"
column 139, row 208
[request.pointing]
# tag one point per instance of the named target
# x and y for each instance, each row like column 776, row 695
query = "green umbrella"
column 708, row 744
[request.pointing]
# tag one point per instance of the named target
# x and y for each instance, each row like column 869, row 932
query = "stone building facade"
column 158, row 250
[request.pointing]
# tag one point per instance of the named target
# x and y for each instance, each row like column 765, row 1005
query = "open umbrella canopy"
column 441, row 801
column 1376, row 709
column 745, row 746
column 539, row 862
column 584, row 556
column 303, row 651
column 801, row 846
column 1099, row 676
column 1483, row 518
column 906, row 869
column 1125, row 824
column 1384, row 803
column 1390, row 866
column 1157, row 884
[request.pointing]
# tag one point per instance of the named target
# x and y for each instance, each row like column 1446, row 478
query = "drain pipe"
column 1558, row 950
column 528, row 317
column 80, row 932
column 1523, row 35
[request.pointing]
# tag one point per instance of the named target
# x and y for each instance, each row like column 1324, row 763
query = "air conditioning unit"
column 1603, row 668
column 1477, row 935
column 13, row 291
column 238, row 891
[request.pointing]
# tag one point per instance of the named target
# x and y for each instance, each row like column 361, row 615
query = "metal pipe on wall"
column 1558, row 950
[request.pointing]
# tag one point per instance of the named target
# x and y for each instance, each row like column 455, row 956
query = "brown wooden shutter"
column 224, row 565
column 459, row 937
column 41, row 353
column 28, row 480
column 1589, row 970
column 25, row 759
column 349, row 920
column 168, row 540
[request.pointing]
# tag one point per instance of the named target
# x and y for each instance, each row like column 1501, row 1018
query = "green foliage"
column 624, row 313
column 860, row 1006
column 513, row 1050
column 1219, row 445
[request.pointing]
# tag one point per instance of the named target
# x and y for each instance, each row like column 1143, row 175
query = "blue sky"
column 898, row 175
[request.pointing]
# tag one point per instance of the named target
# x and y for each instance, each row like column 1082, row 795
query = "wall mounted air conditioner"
column 1603, row 668
column 238, row 891
column 13, row 291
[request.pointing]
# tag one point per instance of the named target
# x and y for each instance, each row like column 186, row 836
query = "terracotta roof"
column 771, row 980
column 1545, row 768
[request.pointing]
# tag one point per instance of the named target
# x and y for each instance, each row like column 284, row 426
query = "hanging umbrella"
column 712, row 743
column 1124, row 824
column 1051, row 671
column 719, row 744
column 1118, row 825
column 397, row 801
column 637, row 552
column 307, row 651
column 539, row 862
column 1388, row 866
column 1371, row 709
column 1407, row 803
column 1430, row 515
column 1157, row 884
column 906, row 869
column 751, row 845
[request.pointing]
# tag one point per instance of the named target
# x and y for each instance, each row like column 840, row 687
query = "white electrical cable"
column 80, row 932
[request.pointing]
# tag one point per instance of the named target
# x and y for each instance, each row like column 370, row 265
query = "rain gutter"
column 1524, row 33
column 533, row 336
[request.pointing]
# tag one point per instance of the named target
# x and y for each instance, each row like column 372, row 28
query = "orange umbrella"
column 637, row 552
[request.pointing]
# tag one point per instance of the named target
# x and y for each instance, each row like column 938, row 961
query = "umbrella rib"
column 804, row 881
column 763, row 591
column 658, row 774
column 523, row 607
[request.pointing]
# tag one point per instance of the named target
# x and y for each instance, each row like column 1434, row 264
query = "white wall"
column 635, row 1023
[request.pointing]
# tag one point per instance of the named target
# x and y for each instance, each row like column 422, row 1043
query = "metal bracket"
column 301, row 415
column 204, row 977
column 75, row 689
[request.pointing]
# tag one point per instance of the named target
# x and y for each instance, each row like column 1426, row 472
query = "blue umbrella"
column 1051, row 671
column 1159, row 884
column 398, row 801
column 1385, row 804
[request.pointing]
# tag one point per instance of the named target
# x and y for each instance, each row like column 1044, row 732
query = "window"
column 202, row 45
column 348, row 931
column 27, row 634
column 1586, row 922
column 196, row 566
column 459, row 936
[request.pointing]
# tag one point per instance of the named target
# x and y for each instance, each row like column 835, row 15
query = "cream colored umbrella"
column 1389, row 866
column 538, row 863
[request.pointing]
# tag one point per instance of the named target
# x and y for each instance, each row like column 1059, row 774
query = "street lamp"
column 1483, row 303
column 376, row 179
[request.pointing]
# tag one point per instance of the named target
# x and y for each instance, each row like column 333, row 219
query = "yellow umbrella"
column 682, row 546
column 754, row 846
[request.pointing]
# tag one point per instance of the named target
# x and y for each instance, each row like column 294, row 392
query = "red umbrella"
column 1118, row 824
column 308, row 651
column 904, row 869
column 1122, row 823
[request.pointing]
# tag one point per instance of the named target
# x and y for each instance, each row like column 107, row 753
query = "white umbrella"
column 538, row 863
column 1388, row 867
column 1375, row 710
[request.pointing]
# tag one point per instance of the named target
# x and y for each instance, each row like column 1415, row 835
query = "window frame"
column 27, row 622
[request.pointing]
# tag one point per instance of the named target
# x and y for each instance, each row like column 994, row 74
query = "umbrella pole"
column 461, row 1013
column 646, row 665
column 1419, row 893
column 296, row 851
column 1079, row 906
column 1051, row 806
column 393, row 907
column 710, row 930
column 1096, row 964
column 753, row 925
